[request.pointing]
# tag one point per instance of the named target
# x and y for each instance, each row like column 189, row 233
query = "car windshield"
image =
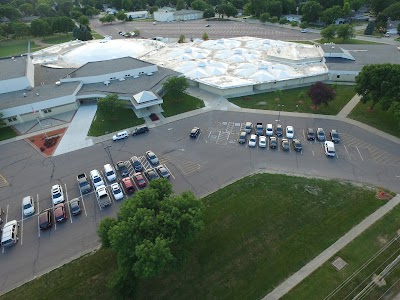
column 335, row 135
column 26, row 206
column 151, row 155
column 310, row 133
column 57, row 195
column 97, row 179
column 290, row 131
column 75, row 207
column 117, row 191
column 136, row 163
column 110, row 173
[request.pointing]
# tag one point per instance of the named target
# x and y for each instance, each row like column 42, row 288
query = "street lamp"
column 279, row 114
column 107, row 148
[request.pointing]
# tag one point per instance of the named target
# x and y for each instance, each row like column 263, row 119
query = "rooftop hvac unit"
column 188, row 50
column 106, row 82
column 58, row 82
column 201, row 64
column 149, row 74
column 121, row 79
column 136, row 76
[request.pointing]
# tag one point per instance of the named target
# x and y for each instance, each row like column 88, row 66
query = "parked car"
column 140, row 130
column 289, row 132
column 297, row 145
column 122, row 169
column 310, row 134
column 139, row 179
column 57, row 194
column 127, row 183
column 269, row 130
column 45, row 219
column 116, row 191
column 259, row 129
column 28, row 206
column 304, row 31
column 262, row 142
column 242, row 138
column 273, row 142
column 163, row 172
column 136, row 164
column 10, row 234
column 329, row 148
column 110, row 173
column 152, row 157
column 334, row 135
column 278, row 130
column 96, row 178
column 253, row 140
column 150, row 174
column 120, row 135
column 207, row 25
column 321, row 135
column 194, row 133
column 285, row 144
column 75, row 206
column 60, row 213
column 248, row 127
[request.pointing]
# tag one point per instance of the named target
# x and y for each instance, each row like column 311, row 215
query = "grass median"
column 185, row 103
column 259, row 230
column 378, row 118
column 106, row 122
column 289, row 101
column 7, row 133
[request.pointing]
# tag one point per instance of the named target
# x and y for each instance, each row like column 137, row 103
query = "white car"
column 253, row 140
column 304, row 31
column 57, row 194
column 121, row 135
column 96, row 178
column 329, row 148
column 289, row 132
column 28, row 206
column 117, row 191
column 110, row 173
column 269, row 130
column 262, row 142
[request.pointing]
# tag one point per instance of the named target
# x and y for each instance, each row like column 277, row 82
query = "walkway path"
column 318, row 261
column 346, row 110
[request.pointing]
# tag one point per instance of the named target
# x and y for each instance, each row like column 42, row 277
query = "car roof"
column 26, row 200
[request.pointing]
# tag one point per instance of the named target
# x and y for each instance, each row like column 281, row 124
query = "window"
column 12, row 119
column 46, row 111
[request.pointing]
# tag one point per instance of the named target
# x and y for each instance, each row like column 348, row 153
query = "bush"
column 294, row 23
column 283, row 21
column 274, row 19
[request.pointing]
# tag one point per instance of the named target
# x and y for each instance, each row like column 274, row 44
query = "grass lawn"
column 58, row 38
column 303, row 42
column 249, row 244
column 185, row 103
column 6, row 133
column 289, row 101
column 16, row 47
column 378, row 118
column 326, row 279
column 96, row 35
column 349, row 41
column 104, row 123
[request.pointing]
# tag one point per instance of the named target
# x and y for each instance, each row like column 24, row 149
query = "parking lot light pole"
column 279, row 114
column 107, row 148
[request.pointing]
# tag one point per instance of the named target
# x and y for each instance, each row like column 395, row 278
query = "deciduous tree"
column 274, row 8
column 40, row 27
column 264, row 17
column 345, row 31
column 329, row 33
column 110, row 103
column 208, row 13
column 199, row 5
column 311, row 10
column 330, row 15
column 321, row 93
column 176, row 86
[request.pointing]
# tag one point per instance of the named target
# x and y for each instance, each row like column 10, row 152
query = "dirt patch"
column 382, row 195
column 382, row 240
column 48, row 145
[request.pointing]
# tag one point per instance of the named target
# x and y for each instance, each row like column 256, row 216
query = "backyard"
column 290, row 100
column 249, row 244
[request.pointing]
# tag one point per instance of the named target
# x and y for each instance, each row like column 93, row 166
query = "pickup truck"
column 259, row 129
column 102, row 196
column 83, row 183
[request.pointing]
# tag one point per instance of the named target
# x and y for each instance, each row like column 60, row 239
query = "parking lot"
column 202, row 165
column 196, row 28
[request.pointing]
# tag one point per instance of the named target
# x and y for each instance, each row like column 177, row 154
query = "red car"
column 139, row 179
column 128, row 185
column 60, row 213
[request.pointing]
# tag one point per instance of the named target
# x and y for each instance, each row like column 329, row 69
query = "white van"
column 109, row 172
column 121, row 135
column 10, row 234
column 96, row 178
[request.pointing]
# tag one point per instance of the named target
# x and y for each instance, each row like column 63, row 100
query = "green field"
column 16, row 47
column 6, row 133
column 326, row 279
column 259, row 230
column 289, row 101
column 172, row 106
column 105, row 122
column 378, row 118
column 58, row 39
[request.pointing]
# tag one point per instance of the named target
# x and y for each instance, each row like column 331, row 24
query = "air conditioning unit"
column 149, row 74
column 106, row 82
column 201, row 64
column 58, row 82
column 121, row 79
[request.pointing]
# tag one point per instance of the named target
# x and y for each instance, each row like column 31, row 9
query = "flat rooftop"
column 12, row 68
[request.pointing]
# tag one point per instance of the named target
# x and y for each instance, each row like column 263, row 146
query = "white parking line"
column 22, row 223
column 359, row 154
column 84, row 208
column 37, row 197
column 198, row 137
column 69, row 208
column 347, row 152
column 6, row 222
column 209, row 134
column 169, row 171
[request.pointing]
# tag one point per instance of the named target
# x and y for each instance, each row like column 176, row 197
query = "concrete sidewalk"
column 346, row 110
column 318, row 261
column 75, row 136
